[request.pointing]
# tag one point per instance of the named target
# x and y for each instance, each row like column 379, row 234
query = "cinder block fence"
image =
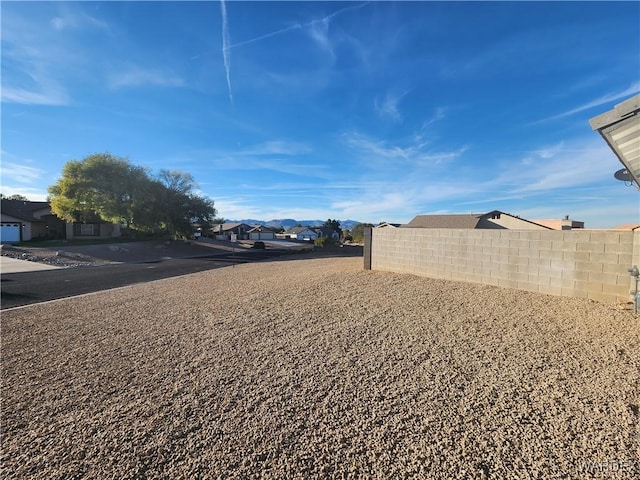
column 579, row 263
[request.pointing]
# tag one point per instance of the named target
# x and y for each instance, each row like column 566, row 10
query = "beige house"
column 564, row 224
column 231, row 231
column 260, row 232
column 628, row 227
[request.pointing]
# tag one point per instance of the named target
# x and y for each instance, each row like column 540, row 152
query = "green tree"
column 181, row 206
column 111, row 189
column 357, row 232
column 15, row 196
column 333, row 225
column 103, row 186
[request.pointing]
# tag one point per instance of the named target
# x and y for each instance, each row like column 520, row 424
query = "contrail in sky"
column 226, row 56
column 227, row 46
column 298, row 25
column 634, row 88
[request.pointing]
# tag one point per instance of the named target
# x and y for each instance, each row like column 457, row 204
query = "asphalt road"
column 20, row 289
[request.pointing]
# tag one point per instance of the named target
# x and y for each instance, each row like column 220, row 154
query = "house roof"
column 300, row 229
column 225, row 227
column 261, row 228
column 628, row 226
column 23, row 210
column 467, row 220
column 464, row 221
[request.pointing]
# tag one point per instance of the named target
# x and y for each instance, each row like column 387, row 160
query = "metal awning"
column 620, row 128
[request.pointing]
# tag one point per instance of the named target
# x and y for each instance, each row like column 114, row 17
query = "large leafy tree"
column 15, row 196
column 357, row 232
column 100, row 186
column 109, row 188
column 333, row 225
column 181, row 206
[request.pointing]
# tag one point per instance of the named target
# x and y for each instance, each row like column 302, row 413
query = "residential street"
column 38, row 286
column 45, row 283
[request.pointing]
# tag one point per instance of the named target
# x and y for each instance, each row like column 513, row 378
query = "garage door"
column 9, row 232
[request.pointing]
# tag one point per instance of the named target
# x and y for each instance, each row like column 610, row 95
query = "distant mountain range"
column 288, row 223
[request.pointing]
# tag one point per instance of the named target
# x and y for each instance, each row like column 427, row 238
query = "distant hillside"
column 288, row 223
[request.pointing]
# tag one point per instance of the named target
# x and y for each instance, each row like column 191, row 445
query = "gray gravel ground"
column 315, row 368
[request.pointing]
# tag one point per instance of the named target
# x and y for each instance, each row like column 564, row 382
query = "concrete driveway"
column 14, row 265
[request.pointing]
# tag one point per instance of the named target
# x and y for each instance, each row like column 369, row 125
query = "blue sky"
column 372, row 111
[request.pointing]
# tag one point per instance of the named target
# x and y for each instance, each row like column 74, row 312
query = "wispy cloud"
column 243, row 207
column 398, row 199
column 32, row 194
column 388, row 106
column 416, row 154
column 319, row 31
column 237, row 208
column 37, row 57
column 439, row 114
column 135, row 76
column 389, row 201
column 273, row 156
column 542, row 174
column 277, row 147
column 226, row 53
column 18, row 177
column 633, row 89
column 318, row 26
column 392, row 191
column 74, row 20
column 556, row 168
column 19, row 172
column 30, row 69
column 314, row 170
column 425, row 135
column 51, row 95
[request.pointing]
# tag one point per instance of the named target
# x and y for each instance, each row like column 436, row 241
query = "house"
column 301, row 233
column 564, row 224
column 387, row 225
column 24, row 220
column 491, row 220
column 628, row 227
column 223, row 231
column 260, row 232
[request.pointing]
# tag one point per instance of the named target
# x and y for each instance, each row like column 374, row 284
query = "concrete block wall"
column 592, row 264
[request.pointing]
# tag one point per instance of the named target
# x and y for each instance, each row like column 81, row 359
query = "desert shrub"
column 324, row 242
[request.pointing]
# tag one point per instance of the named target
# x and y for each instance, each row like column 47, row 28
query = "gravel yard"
column 315, row 368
